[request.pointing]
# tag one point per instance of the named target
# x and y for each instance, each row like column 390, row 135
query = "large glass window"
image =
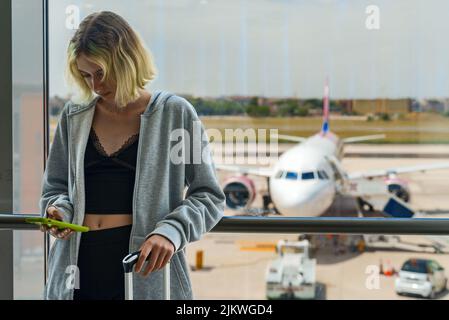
column 28, row 139
column 382, row 67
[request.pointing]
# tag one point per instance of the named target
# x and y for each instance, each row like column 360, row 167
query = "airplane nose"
column 306, row 195
column 300, row 204
column 303, row 200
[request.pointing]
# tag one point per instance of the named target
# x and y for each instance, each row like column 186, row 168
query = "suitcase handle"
column 130, row 260
column 128, row 263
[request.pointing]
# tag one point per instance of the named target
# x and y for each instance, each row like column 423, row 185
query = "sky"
column 280, row 48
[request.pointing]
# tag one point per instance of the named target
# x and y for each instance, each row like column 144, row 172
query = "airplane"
column 306, row 178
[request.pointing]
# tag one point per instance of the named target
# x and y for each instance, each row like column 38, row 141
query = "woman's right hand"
column 63, row 234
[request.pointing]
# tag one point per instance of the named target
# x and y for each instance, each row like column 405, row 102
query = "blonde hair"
column 108, row 40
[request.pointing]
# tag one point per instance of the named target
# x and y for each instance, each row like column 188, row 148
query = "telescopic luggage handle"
column 128, row 263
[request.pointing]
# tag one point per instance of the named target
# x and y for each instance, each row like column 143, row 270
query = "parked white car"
column 422, row 277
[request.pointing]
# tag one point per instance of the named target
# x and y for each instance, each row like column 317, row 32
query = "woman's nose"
column 97, row 86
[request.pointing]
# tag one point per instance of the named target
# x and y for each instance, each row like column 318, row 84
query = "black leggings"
column 100, row 264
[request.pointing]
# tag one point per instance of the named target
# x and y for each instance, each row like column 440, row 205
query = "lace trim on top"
column 100, row 148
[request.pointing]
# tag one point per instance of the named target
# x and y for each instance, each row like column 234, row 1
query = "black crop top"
column 109, row 179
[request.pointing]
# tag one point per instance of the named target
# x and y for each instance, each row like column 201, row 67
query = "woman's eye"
column 99, row 75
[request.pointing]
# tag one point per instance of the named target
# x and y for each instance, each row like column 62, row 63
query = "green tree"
column 258, row 111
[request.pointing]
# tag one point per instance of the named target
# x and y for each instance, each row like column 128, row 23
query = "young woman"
column 119, row 164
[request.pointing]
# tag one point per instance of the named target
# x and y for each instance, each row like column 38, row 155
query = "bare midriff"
column 106, row 221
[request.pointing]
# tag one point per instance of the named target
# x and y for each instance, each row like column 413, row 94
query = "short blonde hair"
column 108, row 40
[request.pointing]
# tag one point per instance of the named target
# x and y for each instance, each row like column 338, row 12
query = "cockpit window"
column 291, row 175
column 322, row 175
column 279, row 174
column 308, row 175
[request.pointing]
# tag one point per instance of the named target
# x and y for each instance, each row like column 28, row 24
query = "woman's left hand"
column 160, row 250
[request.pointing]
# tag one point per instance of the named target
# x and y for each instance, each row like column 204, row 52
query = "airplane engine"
column 240, row 192
column 399, row 188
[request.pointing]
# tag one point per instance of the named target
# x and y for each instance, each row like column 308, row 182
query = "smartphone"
column 56, row 223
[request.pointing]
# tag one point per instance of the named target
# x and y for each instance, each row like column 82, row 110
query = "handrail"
column 15, row 222
column 232, row 224
column 334, row 225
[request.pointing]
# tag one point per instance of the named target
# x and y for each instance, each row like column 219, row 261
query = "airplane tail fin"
column 325, row 127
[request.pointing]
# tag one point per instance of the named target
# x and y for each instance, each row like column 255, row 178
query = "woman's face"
column 92, row 74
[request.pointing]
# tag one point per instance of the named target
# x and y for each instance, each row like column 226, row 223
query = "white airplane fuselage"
column 299, row 187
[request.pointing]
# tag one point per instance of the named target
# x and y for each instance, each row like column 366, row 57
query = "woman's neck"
column 130, row 108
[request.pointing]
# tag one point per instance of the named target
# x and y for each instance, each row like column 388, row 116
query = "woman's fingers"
column 166, row 260
column 153, row 261
column 160, row 261
column 66, row 233
column 160, row 249
column 63, row 234
column 144, row 253
column 53, row 213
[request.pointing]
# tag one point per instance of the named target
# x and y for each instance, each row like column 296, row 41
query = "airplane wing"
column 386, row 172
column 287, row 137
column 363, row 138
column 257, row 171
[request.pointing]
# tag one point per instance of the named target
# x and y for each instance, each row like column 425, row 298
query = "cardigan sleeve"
column 203, row 206
column 54, row 187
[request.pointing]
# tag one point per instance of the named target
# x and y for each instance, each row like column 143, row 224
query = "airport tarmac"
column 235, row 264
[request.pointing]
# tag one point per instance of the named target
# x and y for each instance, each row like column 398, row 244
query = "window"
column 415, row 265
column 322, row 175
column 28, row 139
column 291, row 175
column 279, row 174
column 242, row 65
column 308, row 175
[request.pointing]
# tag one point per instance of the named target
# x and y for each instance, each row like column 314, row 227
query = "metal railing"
column 398, row 226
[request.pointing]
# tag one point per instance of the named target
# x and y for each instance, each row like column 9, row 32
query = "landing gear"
column 364, row 206
column 266, row 198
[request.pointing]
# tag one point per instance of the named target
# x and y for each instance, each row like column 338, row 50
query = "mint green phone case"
column 56, row 223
